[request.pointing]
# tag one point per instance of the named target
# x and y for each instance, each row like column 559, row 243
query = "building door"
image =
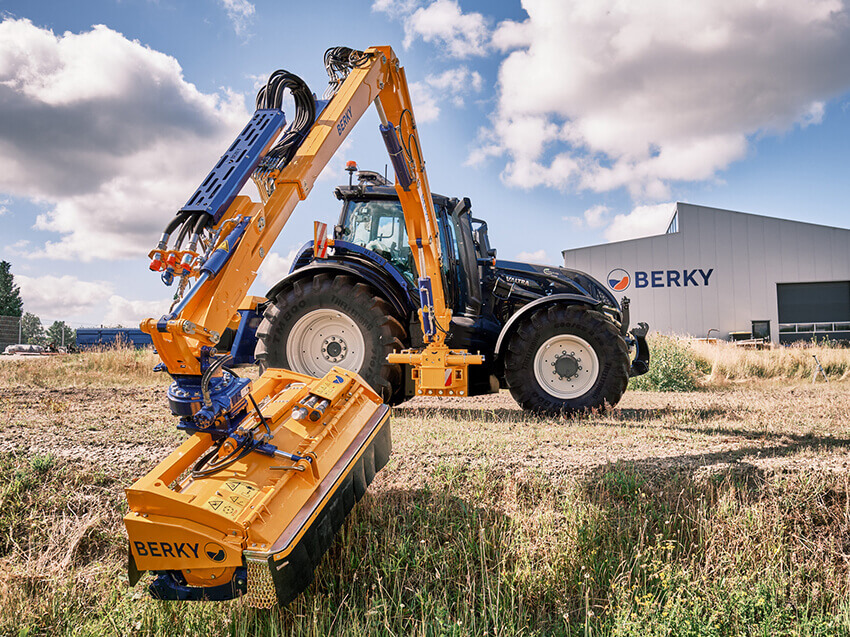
column 813, row 310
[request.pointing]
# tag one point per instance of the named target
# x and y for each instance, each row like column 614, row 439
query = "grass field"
column 724, row 510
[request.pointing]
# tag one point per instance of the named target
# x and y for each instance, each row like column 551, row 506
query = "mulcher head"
column 219, row 519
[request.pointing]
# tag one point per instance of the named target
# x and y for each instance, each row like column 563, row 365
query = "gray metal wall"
column 748, row 255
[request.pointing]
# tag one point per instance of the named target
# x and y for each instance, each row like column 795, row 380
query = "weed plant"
column 673, row 367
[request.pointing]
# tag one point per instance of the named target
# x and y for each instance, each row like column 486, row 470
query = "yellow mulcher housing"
column 252, row 500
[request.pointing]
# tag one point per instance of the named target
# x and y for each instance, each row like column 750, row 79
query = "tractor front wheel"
column 566, row 359
column 322, row 322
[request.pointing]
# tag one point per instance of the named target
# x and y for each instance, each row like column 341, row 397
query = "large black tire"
column 542, row 342
column 380, row 329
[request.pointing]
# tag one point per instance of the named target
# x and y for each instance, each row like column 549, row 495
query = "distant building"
column 740, row 274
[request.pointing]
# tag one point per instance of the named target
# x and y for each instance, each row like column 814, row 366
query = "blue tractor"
column 557, row 338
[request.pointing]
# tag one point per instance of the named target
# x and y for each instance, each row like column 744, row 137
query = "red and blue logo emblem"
column 619, row 279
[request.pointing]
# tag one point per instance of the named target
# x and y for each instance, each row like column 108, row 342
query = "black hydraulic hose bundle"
column 207, row 376
column 271, row 96
column 197, row 225
column 205, row 468
column 339, row 61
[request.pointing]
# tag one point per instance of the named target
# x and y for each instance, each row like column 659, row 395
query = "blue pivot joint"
column 226, row 179
column 227, row 394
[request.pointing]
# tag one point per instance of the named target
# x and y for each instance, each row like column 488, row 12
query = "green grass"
column 475, row 551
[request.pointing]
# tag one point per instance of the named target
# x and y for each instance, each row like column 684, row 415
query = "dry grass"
column 102, row 367
column 721, row 512
column 682, row 364
column 728, row 362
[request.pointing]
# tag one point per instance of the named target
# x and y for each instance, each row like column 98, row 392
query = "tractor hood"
column 547, row 279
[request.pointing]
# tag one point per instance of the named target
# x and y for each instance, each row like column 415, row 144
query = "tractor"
column 556, row 338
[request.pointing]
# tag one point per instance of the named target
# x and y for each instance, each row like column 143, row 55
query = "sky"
column 567, row 122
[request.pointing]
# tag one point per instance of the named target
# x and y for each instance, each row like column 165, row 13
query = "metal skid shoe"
column 249, row 505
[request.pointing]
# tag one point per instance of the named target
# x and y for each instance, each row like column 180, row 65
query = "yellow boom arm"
column 211, row 307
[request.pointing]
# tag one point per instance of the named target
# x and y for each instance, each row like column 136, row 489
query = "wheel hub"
column 567, row 366
column 334, row 349
column 322, row 339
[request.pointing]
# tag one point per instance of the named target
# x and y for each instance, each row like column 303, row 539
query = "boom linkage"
column 209, row 307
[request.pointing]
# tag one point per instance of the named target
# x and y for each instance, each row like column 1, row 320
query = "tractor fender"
column 386, row 287
column 536, row 304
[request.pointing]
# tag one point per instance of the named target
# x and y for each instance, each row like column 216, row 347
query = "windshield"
column 379, row 226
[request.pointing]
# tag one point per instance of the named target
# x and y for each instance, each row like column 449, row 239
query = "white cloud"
column 604, row 94
column 596, row 216
column 456, row 83
column 538, row 256
column 512, row 35
column 240, row 13
column 4, row 205
column 424, row 102
column 443, row 23
column 276, row 266
column 61, row 295
column 643, row 221
column 128, row 313
column 105, row 132
column 452, row 85
column 72, row 299
column 395, row 8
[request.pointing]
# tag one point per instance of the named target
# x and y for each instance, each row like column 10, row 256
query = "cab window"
column 379, row 226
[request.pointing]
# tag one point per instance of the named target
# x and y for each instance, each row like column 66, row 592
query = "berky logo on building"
column 619, row 279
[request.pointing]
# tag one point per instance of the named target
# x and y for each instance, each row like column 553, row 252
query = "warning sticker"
column 231, row 498
column 240, row 488
column 224, row 508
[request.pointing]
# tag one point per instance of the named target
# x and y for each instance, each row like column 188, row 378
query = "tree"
column 60, row 334
column 32, row 331
column 10, row 294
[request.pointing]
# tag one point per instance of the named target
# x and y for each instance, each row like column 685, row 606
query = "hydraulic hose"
column 208, row 374
column 271, row 96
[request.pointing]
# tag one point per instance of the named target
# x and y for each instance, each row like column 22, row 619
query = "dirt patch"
column 774, row 428
column 771, row 428
column 114, row 428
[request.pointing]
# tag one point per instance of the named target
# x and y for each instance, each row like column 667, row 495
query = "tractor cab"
column 372, row 218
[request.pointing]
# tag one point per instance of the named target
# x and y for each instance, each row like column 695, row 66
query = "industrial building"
column 732, row 274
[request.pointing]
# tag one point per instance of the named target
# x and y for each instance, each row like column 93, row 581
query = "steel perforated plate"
column 261, row 592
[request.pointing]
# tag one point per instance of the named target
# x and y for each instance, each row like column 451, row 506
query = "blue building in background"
column 101, row 336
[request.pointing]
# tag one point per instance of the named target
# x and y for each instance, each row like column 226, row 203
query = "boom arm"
column 184, row 337
column 250, row 502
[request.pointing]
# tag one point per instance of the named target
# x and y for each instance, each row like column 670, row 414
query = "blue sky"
column 567, row 122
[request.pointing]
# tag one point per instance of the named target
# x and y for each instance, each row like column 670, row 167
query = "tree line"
column 31, row 329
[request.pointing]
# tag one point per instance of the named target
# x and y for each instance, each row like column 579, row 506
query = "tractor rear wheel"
column 567, row 359
column 328, row 321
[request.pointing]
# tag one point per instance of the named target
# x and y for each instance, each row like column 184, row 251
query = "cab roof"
column 369, row 191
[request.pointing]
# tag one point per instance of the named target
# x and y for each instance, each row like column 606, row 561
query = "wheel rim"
column 566, row 366
column 323, row 339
